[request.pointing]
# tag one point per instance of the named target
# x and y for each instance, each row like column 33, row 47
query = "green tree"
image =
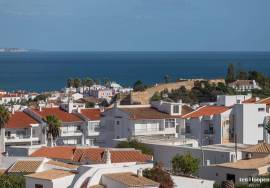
column 53, row 130
column 4, row 118
column 135, row 144
column 139, row 86
column 96, row 81
column 70, row 82
column 106, row 82
column 159, row 175
column 89, row 82
column 230, row 74
column 185, row 164
column 156, row 97
column 89, row 105
column 77, row 82
column 12, row 181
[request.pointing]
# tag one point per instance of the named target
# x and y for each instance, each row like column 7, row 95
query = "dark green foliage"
column 139, row 86
column 135, row 144
column 201, row 92
column 41, row 97
column 156, row 97
column 230, row 74
column 185, row 164
column 12, row 181
column 159, row 175
column 89, row 105
column 4, row 116
column 54, row 124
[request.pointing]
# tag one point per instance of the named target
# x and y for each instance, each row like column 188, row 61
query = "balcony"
column 20, row 138
column 155, row 131
column 71, row 133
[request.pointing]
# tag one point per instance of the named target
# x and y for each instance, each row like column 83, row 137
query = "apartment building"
column 209, row 125
column 92, row 129
column 22, row 129
column 71, row 130
column 158, row 119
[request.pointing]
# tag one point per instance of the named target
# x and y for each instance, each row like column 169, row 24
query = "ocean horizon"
column 47, row 70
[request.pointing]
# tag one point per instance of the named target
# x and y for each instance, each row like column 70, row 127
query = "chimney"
column 140, row 172
column 107, row 156
column 40, row 108
column 12, row 110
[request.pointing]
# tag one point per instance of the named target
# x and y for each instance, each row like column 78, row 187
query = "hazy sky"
column 155, row 25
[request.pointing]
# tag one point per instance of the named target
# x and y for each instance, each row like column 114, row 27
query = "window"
column 169, row 123
column 230, row 177
column 117, row 122
column 261, row 109
column 176, row 109
column 188, row 130
column 38, row 186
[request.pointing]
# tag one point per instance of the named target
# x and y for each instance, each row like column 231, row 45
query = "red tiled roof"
column 206, row 111
column 92, row 114
column 59, row 152
column 251, row 100
column 264, row 101
column 20, row 120
column 59, row 113
column 146, row 113
column 94, row 155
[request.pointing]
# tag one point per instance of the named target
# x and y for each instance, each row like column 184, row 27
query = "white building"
column 160, row 119
column 22, row 129
column 255, row 163
column 244, row 85
column 209, row 124
column 248, row 122
column 71, row 124
column 230, row 100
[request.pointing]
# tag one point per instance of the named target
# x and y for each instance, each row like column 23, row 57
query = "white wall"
column 229, row 100
column 165, row 153
column 185, row 182
column 219, row 174
column 31, row 182
column 247, row 117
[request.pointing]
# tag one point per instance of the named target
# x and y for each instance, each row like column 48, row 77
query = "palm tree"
column 53, row 130
column 70, row 82
column 77, row 82
column 4, row 118
column 89, row 82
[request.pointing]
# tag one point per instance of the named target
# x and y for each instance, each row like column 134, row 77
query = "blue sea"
column 41, row 71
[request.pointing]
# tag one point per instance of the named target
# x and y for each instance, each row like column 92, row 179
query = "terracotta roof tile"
column 131, row 180
column 61, row 164
column 93, row 155
column 264, row 101
column 91, row 114
column 24, row 166
column 59, row 113
column 146, row 113
column 259, row 148
column 206, row 111
column 50, row 174
column 20, row 120
column 254, row 163
column 251, row 100
column 58, row 152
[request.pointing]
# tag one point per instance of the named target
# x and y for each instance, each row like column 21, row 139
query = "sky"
column 136, row 25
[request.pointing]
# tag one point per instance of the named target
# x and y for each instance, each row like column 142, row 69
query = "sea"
column 46, row 71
